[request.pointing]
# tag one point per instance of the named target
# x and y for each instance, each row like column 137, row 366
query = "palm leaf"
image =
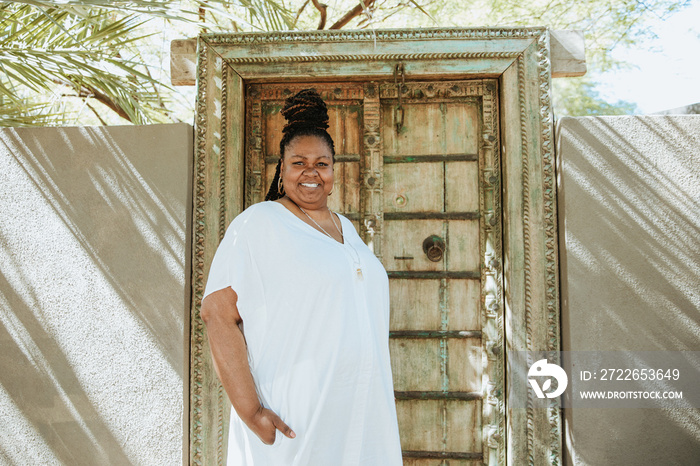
column 422, row 10
column 49, row 51
column 28, row 113
column 92, row 49
column 267, row 12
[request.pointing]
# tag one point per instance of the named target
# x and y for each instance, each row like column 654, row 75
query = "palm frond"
column 34, row 114
column 422, row 10
column 50, row 53
column 264, row 13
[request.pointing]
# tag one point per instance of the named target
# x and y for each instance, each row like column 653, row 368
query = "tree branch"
column 321, row 7
column 352, row 14
column 202, row 14
column 104, row 123
column 90, row 92
column 299, row 12
column 103, row 98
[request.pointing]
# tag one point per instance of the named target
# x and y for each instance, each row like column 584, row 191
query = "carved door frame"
column 519, row 58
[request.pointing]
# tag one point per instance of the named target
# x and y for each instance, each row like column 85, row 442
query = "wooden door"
column 417, row 171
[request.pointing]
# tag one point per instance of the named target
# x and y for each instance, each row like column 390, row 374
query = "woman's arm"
column 230, row 356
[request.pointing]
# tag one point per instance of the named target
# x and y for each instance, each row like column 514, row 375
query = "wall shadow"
column 94, row 249
column 629, row 211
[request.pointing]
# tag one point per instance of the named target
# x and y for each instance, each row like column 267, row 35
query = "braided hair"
column 307, row 115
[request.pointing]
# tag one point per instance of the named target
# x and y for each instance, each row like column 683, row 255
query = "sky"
column 666, row 70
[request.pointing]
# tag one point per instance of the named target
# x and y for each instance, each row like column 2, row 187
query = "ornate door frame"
column 520, row 59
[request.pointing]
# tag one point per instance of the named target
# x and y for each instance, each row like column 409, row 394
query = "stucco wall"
column 629, row 209
column 93, row 295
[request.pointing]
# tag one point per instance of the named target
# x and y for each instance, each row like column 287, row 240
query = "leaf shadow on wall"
column 94, row 262
column 629, row 228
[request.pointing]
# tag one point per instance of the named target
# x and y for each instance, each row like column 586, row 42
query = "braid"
column 272, row 193
column 307, row 115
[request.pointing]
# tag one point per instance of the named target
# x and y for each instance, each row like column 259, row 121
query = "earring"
column 280, row 187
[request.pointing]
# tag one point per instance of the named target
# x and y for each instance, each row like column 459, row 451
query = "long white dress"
column 317, row 336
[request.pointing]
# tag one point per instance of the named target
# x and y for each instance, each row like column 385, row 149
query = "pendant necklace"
column 358, row 267
column 356, row 258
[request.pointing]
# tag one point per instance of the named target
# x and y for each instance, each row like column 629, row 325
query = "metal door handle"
column 434, row 248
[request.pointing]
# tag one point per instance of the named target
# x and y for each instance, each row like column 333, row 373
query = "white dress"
column 317, row 337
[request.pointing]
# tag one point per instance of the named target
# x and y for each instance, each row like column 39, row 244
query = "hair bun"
column 307, row 115
column 305, row 109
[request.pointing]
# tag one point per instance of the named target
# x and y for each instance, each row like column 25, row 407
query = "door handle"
column 434, row 248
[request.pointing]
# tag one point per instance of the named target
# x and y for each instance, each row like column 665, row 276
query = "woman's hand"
column 230, row 356
column 266, row 423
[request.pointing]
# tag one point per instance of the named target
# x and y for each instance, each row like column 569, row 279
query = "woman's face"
column 307, row 171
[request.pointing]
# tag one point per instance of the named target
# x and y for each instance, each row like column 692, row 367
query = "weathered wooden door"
column 417, row 172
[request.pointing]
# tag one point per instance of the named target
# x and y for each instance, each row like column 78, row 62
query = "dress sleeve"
column 233, row 265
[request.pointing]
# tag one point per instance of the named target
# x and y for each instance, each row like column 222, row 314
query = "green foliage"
column 48, row 56
column 92, row 62
column 578, row 97
column 605, row 23
column 97, row 62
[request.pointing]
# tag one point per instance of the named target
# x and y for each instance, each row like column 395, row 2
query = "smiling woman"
column 297, row 314
column 307, row 175
column 304, row 175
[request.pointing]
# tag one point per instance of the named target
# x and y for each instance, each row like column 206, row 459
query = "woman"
column 297, row 313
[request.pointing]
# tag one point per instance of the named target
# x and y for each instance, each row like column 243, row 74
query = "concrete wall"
column 93, row 296
column 629, row 207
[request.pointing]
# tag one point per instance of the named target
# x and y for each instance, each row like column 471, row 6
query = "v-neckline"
column 342, row 229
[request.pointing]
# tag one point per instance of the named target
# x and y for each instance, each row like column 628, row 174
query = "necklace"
column 335, row 225
column 356, row 256
column 322, row 229
column 356, row 261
